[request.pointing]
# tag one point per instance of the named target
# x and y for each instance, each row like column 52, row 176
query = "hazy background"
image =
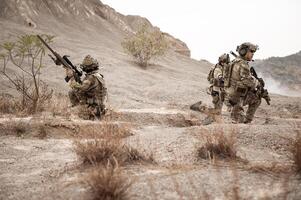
column 211, row 27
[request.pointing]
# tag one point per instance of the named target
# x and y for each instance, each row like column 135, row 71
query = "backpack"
column 210, row 76
column 227, row 75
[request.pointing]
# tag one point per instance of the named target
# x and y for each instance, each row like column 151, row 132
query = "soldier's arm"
column 85, row 86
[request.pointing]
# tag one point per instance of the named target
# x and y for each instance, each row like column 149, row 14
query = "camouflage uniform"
column 217, row 84
column 92, row 92
column 241, row 88
column 215, row 77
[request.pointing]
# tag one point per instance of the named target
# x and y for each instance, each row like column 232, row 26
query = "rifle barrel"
column 63, row 60
column 43, row 41
column 234, row 54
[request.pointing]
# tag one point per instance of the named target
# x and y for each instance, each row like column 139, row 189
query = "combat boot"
column 196, row 106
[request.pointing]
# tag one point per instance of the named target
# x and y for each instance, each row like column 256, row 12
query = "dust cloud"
column 275, row 87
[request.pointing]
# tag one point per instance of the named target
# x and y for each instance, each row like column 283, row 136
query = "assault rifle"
column 263, row 93
column 59, row 60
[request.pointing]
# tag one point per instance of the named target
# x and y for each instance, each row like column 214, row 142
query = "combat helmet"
column 89, row 64
column 244, row 47
column 225, row 58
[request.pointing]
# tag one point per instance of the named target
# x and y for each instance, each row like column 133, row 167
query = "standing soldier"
column 216, row 89
column 240, row 85
column 92, row 91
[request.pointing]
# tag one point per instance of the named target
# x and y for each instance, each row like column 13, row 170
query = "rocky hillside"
column 90, row 27
column 286, row 71
column 77, row 13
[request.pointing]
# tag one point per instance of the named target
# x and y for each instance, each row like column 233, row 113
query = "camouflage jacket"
column 241, row 79
column 93, row 87
column 217, row 78
column 241, row 74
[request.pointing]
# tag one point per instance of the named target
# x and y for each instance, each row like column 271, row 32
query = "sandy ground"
column 33, row 168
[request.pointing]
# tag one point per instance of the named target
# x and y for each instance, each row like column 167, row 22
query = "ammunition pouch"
column 232, row 103
column 241, row 91
column 214, row 93
column 91, row 101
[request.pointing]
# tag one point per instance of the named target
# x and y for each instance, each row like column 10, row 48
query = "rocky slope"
column 76, row 12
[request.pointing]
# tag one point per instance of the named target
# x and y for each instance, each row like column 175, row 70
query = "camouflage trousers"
column 217, row 101
column 253, row 102
column 92, row 107
column 237, row 112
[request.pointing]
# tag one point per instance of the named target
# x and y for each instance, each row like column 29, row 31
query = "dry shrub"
column 296, row 150
column 133, row 155
column 105, row 130
column 7, row 105
column 96, row 150
column 58, row 105
column 17, row 128
column 42, row 132
column 102, row 151
column 218, row 145
column 115, row 130
column 106, row 145
column 20, row 128
column 108, row 183
column 21, row 106
column 25, row 55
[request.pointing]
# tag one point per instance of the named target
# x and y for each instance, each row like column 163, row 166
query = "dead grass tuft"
column 19, row 128
column 16, row 128
column 7, row 106
column 218, row 145
column 296, row 150
column 108, row 183
column 105, row 130
column 115, row 130
column 58, row 106
column 102, row 151
column 275, row 169
column 104, row 144
column 133, row 155
column 42, row 132
column 95, row 151
column 24, row 106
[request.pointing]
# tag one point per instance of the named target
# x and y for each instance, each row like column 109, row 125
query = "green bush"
column 145, row 45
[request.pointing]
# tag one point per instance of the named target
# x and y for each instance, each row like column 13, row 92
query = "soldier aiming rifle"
column 91, row 91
